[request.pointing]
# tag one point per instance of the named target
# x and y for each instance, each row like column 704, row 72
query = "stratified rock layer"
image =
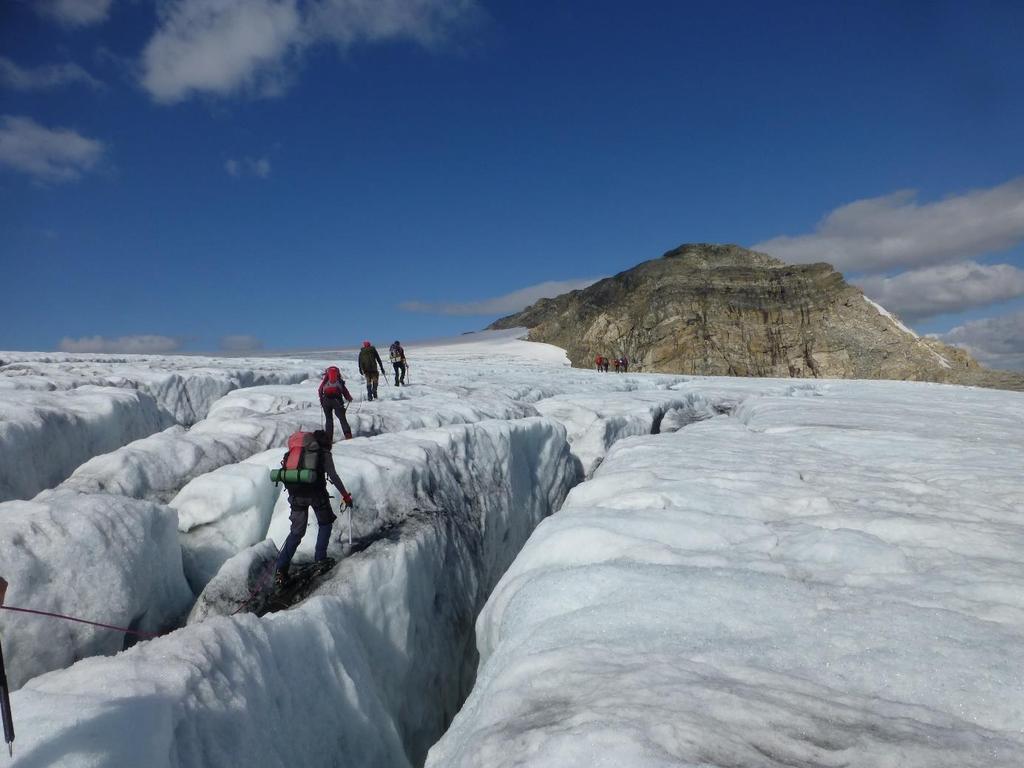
column 724, row 310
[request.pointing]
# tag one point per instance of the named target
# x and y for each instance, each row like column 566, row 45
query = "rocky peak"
column 710, row 256
column 725, row 310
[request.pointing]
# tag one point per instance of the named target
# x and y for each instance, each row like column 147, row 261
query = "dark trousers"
column 371, row 385
column 399, row 368
column 325, row 517
column 333, row 406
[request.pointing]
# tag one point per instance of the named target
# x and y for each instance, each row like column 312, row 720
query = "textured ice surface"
column 105, row 558
column 370, row 670
column 59, row 410
column 826, row 580
column 184, row 386
column 813, row 573
column 45, row 435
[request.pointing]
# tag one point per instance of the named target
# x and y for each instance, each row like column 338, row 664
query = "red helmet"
column 366, row 343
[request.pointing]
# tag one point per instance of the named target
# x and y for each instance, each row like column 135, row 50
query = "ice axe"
column 5, row 694
column 349, row 526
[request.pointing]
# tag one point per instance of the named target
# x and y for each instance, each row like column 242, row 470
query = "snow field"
column 371, row 669
column 831, row 580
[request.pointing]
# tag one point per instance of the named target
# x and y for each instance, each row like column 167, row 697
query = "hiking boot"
column 326, row 564
column 281, row 579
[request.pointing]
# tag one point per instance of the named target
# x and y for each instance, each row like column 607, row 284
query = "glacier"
column 551, row 566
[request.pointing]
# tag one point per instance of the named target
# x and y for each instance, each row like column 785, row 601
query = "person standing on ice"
column 599, row 362
column 398, row 362
column 369, row 362
column 331, row 391
column 313, row 451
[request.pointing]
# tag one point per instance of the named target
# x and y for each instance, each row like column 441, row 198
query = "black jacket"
column 367, row 355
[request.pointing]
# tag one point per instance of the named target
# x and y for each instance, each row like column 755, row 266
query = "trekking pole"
column 350, row 528
column 5, row 693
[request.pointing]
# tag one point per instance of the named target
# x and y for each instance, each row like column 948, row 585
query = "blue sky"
column 197, row 174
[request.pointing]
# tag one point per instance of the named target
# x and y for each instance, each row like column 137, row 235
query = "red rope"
column 144, row 635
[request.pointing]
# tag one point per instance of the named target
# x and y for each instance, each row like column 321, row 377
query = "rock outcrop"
column 724, row 310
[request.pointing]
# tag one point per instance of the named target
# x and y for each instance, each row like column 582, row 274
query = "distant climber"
column 599, row 363
column 309, row 453
column 618, row 365
column 333, row 394
column 369, row 362
column 624, row 362
column 398, row 362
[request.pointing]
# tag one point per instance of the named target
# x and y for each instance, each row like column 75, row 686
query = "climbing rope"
column 50, row 614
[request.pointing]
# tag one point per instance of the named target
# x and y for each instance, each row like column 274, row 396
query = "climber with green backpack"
column 305, row 470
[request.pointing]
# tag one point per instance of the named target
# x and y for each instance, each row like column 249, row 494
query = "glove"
column 347, row 498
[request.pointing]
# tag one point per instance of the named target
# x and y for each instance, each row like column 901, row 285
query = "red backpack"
column 301, row 465
column 333, row 382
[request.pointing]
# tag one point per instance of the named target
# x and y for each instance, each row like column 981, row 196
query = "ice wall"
column 367, row 672
column 103, row 558
column 45, row 435
column 226, row 510
column 831, row 578
column 184, row 386
column 597, row 420
column 59, row 411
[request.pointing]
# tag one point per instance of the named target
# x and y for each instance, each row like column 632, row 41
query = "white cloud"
column 240, row 343
column 427, row 22
column 922, row 293
column 74, row 13
column 44, row 77
column 893, row 231
column 501, row 305
column 218, row 46
column 223, row 47
column 46, row 154
column 995, row 341
column 137, row 345
column 248, row 166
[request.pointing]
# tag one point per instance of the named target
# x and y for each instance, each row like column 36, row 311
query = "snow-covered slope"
column 746, row 573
